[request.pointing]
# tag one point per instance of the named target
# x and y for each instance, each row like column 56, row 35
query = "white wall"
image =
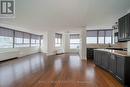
column 66, row 44
column 7, row 53
column 44, row 44
column 48, row 45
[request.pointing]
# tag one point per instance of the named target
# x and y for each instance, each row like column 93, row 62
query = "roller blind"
column 74, row 36
column 6, row 32
column 57, row 35
column 27, row 35
column 91, row 33
column 19, row 34
column 101, row 33
column 33, row 36
column 108, row 33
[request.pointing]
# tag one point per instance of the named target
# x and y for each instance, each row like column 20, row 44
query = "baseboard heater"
column 8, row 55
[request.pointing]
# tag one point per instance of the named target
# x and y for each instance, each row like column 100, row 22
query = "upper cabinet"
column 124, row 28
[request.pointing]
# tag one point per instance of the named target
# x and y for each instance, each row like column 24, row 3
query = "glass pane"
column 108, row 40
column 101, row 40
column 74, row 46
column 91, row 40
column 6, row 42
column 59, row 41
column 37, row 41
column 33, row 41
column 56, row 40
column 74, row 40
column 26, row 41
column 18, row 40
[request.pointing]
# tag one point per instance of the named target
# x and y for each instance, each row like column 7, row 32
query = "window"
column 35, row 40
column 99, row 36
column 11, row 38
column 26, row 41
column 58, row 40
column 74, row 41
column 91, row 37
column 19, row 39
column 6, row 38
column 108, row 37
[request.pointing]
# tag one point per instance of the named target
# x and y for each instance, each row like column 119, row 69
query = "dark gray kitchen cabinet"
column 116, row 64
column 97, row 57
column 121, row 29
column 120, row 67
column 105, row 60
column 112, row 64
column 124, row 28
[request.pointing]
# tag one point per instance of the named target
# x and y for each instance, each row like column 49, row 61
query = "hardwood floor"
column 64, row 70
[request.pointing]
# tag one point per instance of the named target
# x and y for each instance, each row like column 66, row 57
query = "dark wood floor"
column 64, row 70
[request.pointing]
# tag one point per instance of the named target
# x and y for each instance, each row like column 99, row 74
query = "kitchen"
column 114, row 57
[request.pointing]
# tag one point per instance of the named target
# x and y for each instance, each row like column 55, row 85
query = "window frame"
column 58, row 40
column 97, row 36
column 74, row 43
column 7, row 32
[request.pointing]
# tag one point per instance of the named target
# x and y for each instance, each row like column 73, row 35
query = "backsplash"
column 116, row 45
column 120, row 45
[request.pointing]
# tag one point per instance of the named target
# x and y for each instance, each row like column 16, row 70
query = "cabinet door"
column 112, row 64
column 105, row 59
column 128, row 26
column 121, row 28
column 95, row 57
column 120, row 36
column 99, row 58
column 126, row 30
column 120, row 67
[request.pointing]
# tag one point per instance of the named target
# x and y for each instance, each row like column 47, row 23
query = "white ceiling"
column 66, row 15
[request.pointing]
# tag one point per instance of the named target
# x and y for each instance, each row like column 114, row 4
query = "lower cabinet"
column 112, row 64
column 97, row 57
column 119, row 66
column 104, row 60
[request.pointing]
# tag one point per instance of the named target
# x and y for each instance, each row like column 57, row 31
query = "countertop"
column 116, row 52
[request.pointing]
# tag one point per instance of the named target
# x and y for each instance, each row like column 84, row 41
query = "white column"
column 66, row 42
column 44, row 44
column 49, row 43
column 83, row 45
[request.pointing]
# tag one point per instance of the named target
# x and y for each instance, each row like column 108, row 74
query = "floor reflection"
column 18, row 69
column 90, row 74
column 74, row 62
column 58, row 65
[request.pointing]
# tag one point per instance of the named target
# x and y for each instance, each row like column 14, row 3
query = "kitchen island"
column 116, row 62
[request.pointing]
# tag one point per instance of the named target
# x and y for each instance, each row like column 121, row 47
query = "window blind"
column 19, row 34
column 74, row 36
column 101, row 33
column 26, row 35
column 108, row 33
column 91, row 33
column 57, row 35
column 6, row 32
